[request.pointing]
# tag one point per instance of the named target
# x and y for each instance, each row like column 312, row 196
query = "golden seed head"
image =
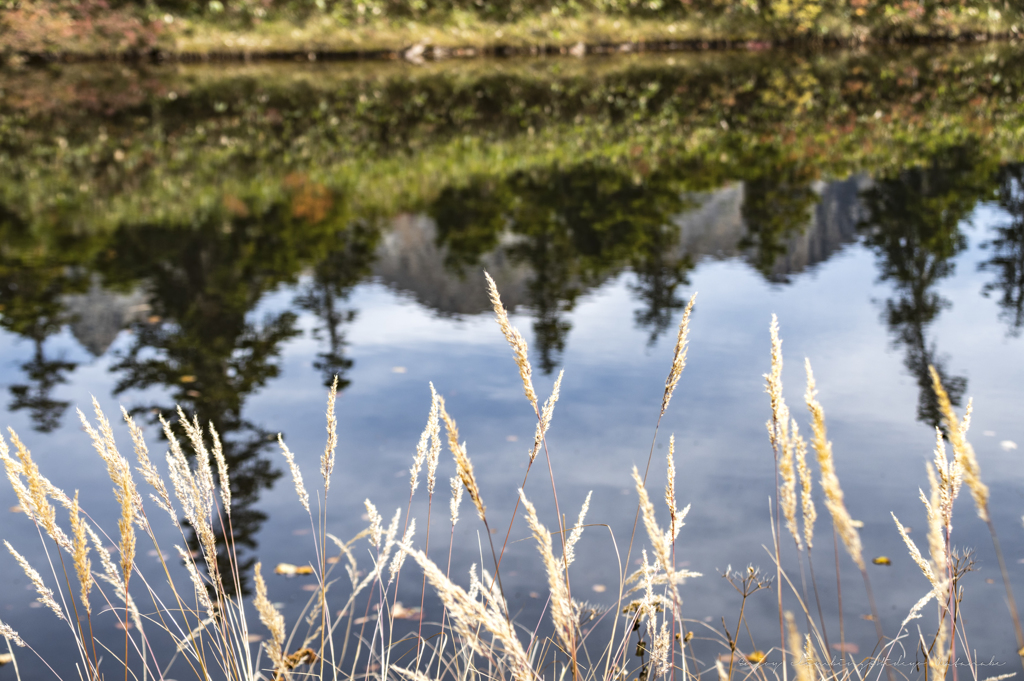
column 272, row 620
column 327, row 460
column 83, row 566
column 11, row 635
column 462, row 463
column 963, row 452
column 300, row 489
column 678, row 355
column 222, row 469
column 544, row 422
column 45, row 594
column 845, row 525
column 515, row 341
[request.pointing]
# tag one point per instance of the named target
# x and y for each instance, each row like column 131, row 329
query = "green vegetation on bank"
column 265, row 27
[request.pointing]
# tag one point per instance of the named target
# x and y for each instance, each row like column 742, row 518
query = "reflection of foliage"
column 776, row 207
column 43, row 375
column 660, row 272
column 35, row 274
column 347, row 263
column 1007, row 247
column 203, row 341
column 574, row 227
column 914, row 229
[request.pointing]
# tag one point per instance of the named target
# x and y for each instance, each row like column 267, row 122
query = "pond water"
column 230, row 238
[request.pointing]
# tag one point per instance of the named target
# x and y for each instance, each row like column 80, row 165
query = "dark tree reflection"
column 777, row 206
column 334, row 277
column 36, row 274
column 205, row 341
column 1007, row 261
column 914, row 229
column 574, row 227
column 661, row 271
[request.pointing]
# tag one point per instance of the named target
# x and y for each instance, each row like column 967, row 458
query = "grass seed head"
column 83, row 566
column 11, row 635
column 456, row 501
column 845, row 525
column 678, row 355
column 462, row 463
column 300, row 488
column 272, row 620
column 327, row 460
column 515, row 341
column 45, row 594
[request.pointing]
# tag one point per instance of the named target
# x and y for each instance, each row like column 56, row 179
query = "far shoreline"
column 184, row 40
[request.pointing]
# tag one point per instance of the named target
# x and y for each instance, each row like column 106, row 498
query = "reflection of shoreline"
column 410, row 261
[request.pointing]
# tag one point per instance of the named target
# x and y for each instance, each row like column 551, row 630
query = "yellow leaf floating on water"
column 187, row 378
column 756, row 657
column 290, row 570
column 400, row 612
column 882, row 560
column 6, row 658
column 17, row 509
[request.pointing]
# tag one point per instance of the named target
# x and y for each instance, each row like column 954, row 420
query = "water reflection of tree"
column 574, row 227
column 914, row 229
column 777, row 205
column 204, row 342
column 1007, row 248
column 333, row 279
column 35, row 275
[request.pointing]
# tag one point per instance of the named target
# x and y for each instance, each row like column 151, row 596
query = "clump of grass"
column 477, row 636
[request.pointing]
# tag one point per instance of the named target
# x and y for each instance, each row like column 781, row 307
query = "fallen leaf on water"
column 398, row 370
column 333, row 559
column 253, row 638
column 846, row 647
column 756, row 657
column 17, row 509
column 990, row 581
column 310, row 587
column 1007, row 445
column 511, row 438
column 187, row 378
column 599, row 588
column 882, row 560
column 400, row 612
column 120, row 625
column 869, row 618
column 290, row 570
column 6, row 658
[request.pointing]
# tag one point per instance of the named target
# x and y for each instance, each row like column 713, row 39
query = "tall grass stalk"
column 207, row 624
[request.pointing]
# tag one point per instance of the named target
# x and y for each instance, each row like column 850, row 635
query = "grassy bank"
column 421, row 28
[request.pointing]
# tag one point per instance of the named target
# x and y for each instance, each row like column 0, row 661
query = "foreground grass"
column 211, row 626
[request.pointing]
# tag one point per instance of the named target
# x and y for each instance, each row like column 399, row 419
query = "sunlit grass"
column 348, row 628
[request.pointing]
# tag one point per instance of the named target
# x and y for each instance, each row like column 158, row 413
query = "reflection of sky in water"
column 603, row 425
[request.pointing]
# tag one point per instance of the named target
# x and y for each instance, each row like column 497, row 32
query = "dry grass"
column 477, row 638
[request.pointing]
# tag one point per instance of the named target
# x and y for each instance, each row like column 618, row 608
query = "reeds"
column 478, row 636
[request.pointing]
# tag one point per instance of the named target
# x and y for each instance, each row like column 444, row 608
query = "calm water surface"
column 202, row 238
